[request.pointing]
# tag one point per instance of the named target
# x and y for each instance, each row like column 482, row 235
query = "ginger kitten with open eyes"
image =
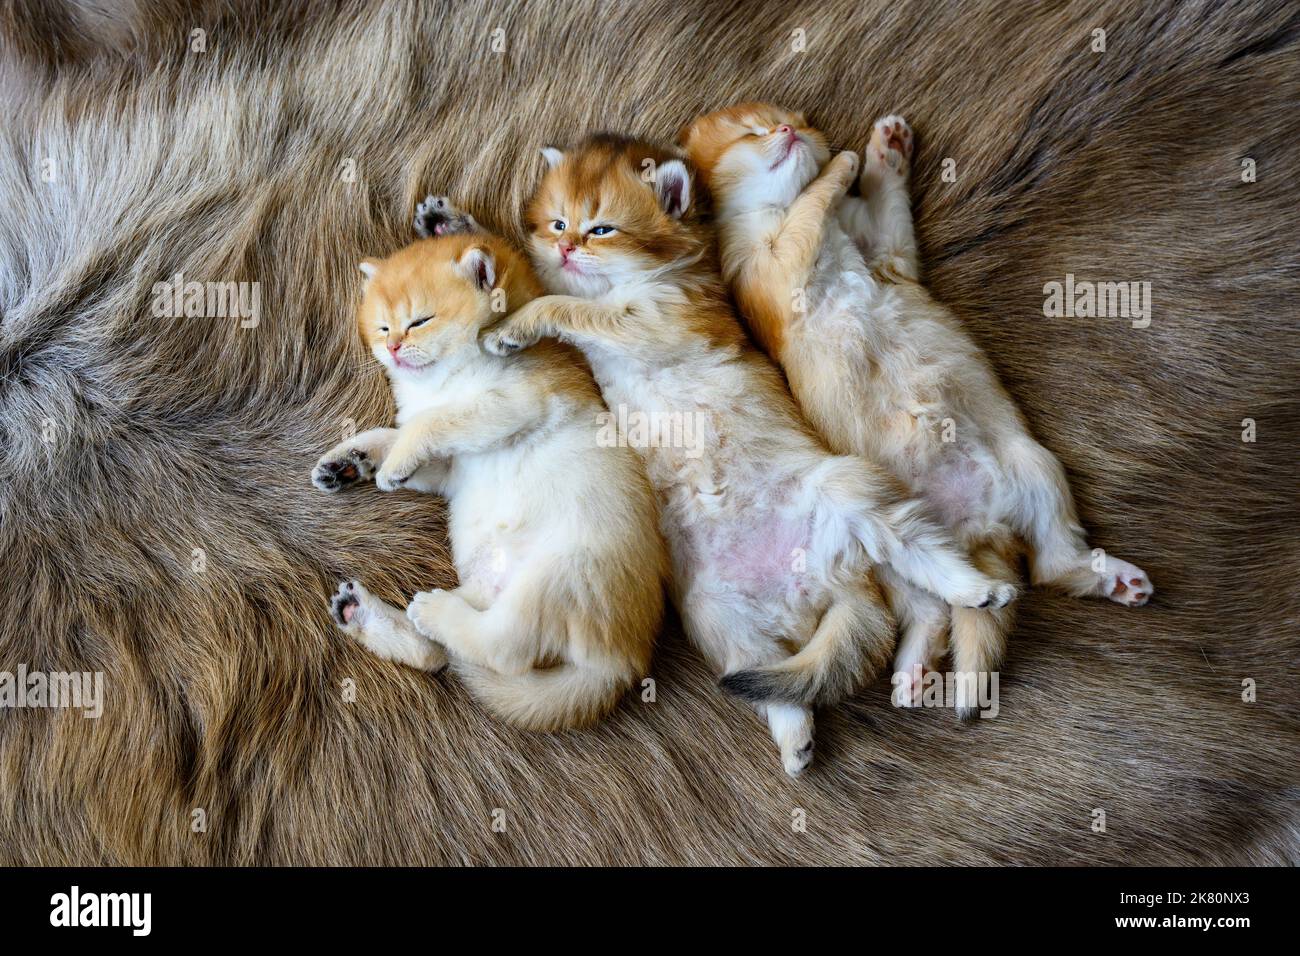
column 554, row 537
column 771, row 536
column 828, row 285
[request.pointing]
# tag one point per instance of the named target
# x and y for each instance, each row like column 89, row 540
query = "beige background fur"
column 223, row 687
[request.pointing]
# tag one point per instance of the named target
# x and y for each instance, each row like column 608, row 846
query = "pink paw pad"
column 1133, row 592
column 891, row 142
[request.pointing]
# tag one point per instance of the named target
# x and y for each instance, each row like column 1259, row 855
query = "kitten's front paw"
column 436, row 216
column 506, row 339
column 394, row 474
column 891, row 144
column 424, row 612
column 844, row 164
column 337, row 470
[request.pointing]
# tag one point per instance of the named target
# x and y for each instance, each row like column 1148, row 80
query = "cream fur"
column 884, row 371
column 553, row 535
column 770, row 536
column 227, row 688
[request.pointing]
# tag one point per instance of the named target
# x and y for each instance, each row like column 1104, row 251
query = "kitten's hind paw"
column 1128, row 584
column 437, row 216
column 990, row 595
column 345, row 605
column 891, row 144
column 796, row 759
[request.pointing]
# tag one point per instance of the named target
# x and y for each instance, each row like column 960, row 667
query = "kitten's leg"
column 863, row 504
column 1058, row 551
column 730, row 646
column 979, row 637
column 582, row 322
column 500, row 638
column 468, row 429
column 353, row 460
column 436, row 216
column 792, row 729
column 881, row 221
column 383, row 629
column 923, row 620
column 796, row 245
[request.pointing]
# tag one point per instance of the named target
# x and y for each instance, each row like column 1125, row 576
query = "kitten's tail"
column 852, row 643
column 545, row 699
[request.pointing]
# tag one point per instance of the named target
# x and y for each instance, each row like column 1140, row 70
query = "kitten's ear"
column 368, row 268
column 479, row 266
column 673, row 187
column 552, row 156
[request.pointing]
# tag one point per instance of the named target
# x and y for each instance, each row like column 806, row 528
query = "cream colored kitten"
column 828, row 285
column 770, row 535
column 554, row 537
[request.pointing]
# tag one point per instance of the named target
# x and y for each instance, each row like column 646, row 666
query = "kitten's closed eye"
column 419, row 322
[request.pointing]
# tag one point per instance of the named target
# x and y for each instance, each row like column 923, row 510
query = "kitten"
column 828, row 285
column 554, row 537
column 769, row 534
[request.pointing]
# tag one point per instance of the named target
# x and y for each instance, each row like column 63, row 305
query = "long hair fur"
column 157, row 523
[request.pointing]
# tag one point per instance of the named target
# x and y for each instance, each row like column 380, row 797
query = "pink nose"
column 566, row 248
column 395, row 347
column 785, row 129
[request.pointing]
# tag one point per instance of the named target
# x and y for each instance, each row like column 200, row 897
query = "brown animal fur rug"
column 157, row 522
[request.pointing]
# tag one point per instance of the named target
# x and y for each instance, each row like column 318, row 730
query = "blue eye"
column 601, row 230
column 559, row 225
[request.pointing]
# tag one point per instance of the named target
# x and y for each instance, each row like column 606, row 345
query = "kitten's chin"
column 404, row 368
column 585, row 285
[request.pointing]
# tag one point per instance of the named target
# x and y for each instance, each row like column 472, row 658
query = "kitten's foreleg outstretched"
column 583, row 322
column 355, row 459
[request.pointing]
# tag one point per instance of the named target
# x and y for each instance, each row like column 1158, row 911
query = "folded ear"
column 479, row 266
column 673, row 187
column 368, row 268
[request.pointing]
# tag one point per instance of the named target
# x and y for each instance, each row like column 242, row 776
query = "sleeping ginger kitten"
column 554, row 537
column 770, row 535
column 828, row 285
